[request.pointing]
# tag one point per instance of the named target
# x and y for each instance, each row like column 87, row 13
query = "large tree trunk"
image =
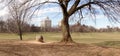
column 65, row 30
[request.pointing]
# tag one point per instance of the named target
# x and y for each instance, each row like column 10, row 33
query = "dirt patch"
column 33, row 48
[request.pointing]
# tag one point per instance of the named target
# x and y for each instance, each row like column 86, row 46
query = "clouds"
column 47, row 10
column 51, row 12
column 3, row 7
column 4, row 11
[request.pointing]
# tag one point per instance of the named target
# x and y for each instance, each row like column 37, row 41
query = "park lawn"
column 96, row 37
column 89, row 44
column 77, row 37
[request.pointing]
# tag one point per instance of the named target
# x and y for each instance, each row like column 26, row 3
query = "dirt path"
column 33, row 48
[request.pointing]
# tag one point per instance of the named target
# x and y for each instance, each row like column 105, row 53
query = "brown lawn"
column 33, row 48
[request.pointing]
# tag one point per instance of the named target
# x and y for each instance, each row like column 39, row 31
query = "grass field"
column 78, row 37
column 89, row 44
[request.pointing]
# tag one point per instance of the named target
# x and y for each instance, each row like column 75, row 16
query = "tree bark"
column 20, row 32
column 65, row 30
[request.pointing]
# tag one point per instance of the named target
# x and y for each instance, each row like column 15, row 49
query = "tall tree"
column 109, row 8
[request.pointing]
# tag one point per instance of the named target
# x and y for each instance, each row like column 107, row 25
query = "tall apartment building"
column 46, row 24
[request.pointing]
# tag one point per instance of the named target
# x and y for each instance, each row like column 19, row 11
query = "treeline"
column 82, row 28
column 85, row 28
column 9, row 26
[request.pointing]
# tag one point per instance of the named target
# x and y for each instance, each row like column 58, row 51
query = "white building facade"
column 46, row 24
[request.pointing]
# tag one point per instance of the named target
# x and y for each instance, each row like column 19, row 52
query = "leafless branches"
column 22, row 12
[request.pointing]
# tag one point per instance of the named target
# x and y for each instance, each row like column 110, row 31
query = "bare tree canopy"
column 110, row 8
column 81, row 8
column 21, row 12
column 22, row 9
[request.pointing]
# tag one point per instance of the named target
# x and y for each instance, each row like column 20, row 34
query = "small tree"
column 21, row 12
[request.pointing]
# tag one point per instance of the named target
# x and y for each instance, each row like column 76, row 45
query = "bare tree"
column 109, row 8
column 21, row 12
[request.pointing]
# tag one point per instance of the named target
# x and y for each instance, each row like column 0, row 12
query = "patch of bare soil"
column 33, row 48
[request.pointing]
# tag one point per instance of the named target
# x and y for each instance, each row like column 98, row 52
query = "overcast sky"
column 54, row 13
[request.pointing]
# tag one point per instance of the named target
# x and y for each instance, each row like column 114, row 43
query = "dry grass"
column 57, row 36
column 28, row 48
column 106, row 44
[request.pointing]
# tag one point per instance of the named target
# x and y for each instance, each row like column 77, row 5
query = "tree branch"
column 63, row 7
column 74, row 6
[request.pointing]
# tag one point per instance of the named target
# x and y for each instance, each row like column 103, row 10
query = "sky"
column 55, row 15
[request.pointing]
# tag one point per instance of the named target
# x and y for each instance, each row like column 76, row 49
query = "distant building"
column 46, row 24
